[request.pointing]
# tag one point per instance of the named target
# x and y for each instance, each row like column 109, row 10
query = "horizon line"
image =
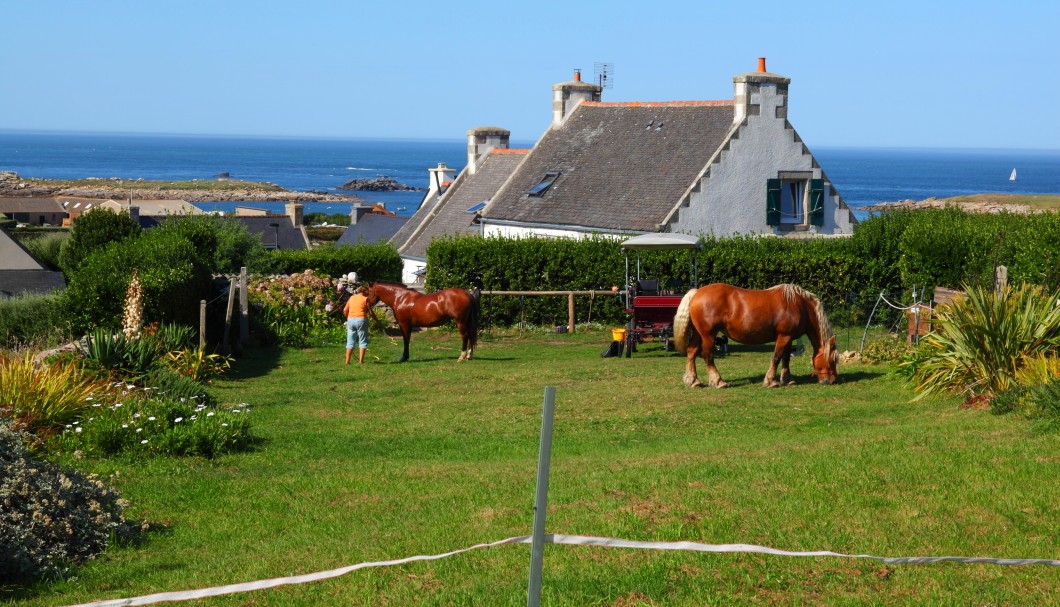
column 133, row 134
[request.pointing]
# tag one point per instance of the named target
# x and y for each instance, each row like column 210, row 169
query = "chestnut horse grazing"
column 781, row 314
column 414, row 309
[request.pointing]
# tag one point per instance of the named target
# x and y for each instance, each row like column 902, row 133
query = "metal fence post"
column 537, row 538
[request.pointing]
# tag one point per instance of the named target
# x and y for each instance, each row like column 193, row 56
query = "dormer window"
column 543, row 185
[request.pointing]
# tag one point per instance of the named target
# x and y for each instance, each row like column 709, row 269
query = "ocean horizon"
column 863, row 176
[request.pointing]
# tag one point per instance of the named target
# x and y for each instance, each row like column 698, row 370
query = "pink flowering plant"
column 298, row 310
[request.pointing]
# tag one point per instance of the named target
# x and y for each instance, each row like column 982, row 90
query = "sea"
column 863, row 176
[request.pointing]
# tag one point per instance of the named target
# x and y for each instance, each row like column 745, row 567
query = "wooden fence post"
column 244, row 308
column 225, row 348
column 1000, row 278
column 570, row 312
column 202, row 324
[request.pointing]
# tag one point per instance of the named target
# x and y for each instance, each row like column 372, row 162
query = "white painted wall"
column 733, row 197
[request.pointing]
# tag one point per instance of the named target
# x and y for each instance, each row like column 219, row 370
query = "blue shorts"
column 356, row 332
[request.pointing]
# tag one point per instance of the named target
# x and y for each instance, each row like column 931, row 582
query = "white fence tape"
column 185, row 595
column 570, row 540
column 582, row 540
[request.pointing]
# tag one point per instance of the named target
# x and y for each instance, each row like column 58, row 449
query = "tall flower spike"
column 133, row 318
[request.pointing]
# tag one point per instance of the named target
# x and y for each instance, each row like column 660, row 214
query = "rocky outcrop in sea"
column 377, row 184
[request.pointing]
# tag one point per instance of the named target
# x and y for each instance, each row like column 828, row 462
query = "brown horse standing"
column 414, row 309
column 781, row 314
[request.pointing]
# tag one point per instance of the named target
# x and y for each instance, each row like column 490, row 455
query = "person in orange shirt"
column 357, row 311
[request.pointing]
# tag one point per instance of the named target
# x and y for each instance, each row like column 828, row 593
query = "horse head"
column 373, row 296
column 825, row 361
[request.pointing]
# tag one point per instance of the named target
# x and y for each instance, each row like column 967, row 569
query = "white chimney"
column 482, row 139
column 567, row 95
column 758, row 90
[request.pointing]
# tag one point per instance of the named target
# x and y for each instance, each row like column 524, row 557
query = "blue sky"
column 968, row 74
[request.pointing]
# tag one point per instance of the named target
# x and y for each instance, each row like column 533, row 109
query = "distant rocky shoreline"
column 12, row 185
column 980, row 205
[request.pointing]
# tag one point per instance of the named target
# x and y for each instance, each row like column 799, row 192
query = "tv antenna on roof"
column 604, row 73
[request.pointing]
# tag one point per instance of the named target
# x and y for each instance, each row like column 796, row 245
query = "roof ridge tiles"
column 655, row 103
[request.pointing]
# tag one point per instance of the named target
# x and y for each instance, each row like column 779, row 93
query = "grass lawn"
column 393, row 460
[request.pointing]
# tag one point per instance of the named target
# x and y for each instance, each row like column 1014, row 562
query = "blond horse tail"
column 682, row 322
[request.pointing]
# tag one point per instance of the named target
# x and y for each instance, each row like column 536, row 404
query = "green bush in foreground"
column 50, row 518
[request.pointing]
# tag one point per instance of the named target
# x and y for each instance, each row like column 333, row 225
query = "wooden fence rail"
column 570, row 299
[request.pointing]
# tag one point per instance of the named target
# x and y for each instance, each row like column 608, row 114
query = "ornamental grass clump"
column 49, row 396
column 50, row 518
column 980, row 344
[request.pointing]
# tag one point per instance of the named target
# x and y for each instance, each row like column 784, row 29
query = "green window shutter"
column 817, row 202
column 773, row 202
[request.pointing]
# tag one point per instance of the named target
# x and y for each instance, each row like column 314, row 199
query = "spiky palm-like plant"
column 980, row 343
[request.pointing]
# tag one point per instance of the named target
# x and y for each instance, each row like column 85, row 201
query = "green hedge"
column 370, row 261
column 891, row 254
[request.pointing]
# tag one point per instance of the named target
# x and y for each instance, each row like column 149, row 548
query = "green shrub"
column 159, row 426
column 50, row 518
column 173, row 273
column 93, row 231
column 166, row 383
column 229, row 244
column 33, row 320
column 885, row 349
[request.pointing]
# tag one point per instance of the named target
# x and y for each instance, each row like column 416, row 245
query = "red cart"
column 651, row 305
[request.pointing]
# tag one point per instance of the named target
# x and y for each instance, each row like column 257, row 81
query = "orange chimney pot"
column 577, row 75
column 762, row 64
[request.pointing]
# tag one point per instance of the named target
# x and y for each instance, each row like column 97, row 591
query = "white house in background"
column 697, row 167
column 718, row 168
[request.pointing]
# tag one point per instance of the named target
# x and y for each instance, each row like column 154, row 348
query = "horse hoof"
column 791, row 383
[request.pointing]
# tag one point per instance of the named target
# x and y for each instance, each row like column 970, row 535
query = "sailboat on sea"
column 1012, row 177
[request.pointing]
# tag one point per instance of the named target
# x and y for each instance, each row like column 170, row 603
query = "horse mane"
column 825, row 332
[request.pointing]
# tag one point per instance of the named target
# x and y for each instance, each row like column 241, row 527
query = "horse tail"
column 472, row 322
column 682, row 322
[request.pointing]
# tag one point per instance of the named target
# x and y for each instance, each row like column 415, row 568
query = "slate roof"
column 616, row 172
column 21, row 272
column 372, row 228
column 448, row 216
column 30, row 204
column 283, row 236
